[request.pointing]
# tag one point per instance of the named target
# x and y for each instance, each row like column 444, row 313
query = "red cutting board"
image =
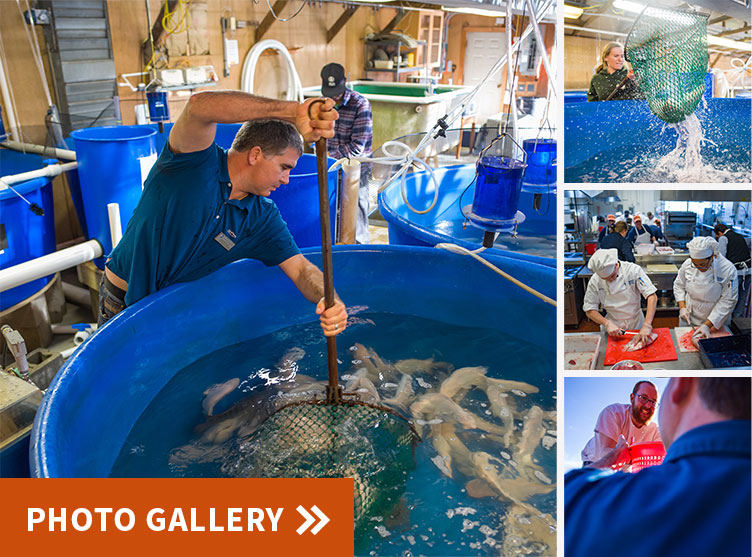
column 662, row 350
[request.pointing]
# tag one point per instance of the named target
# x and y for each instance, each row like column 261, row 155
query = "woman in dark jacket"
column 618, row 239
column 610, row 74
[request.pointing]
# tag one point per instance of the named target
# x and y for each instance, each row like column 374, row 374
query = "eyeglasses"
column 647, row 401
column 702, row 266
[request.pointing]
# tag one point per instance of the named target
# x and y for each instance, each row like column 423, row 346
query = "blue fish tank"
column 540, row 174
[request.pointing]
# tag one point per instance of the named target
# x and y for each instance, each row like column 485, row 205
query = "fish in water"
column 401, row 399
column 216, row 392
column 638, row 343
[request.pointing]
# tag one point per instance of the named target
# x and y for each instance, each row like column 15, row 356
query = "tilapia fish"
column 638, row 344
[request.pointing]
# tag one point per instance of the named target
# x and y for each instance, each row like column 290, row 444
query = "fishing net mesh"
column 351, row 439
column 668, row 50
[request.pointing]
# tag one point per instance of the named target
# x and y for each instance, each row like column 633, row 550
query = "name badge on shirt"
column 224, row 241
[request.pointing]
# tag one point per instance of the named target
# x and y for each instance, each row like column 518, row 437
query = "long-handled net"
column 668, row 50
column 340, row 436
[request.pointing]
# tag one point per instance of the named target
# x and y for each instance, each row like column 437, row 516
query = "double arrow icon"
column 309, row 519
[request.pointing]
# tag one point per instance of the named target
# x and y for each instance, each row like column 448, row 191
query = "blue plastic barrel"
column 113, row 162
column 87, row 414
column 497, row 191
column 540, row 174
column 159, row 110
column 24, row 235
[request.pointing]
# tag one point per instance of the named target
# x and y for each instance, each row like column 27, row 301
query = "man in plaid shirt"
column 353, row 133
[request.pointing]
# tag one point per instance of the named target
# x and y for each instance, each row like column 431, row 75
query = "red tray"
column 662, row 350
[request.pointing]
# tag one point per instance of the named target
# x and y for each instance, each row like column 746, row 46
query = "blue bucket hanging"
column 540, row 174
column 159, row 110
column 497, row 194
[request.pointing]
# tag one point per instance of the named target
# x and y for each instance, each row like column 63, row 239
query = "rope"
column 454, row 248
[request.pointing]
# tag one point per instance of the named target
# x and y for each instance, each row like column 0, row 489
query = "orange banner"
column 118, row 516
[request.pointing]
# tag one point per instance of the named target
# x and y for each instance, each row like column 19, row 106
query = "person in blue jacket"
column 697, row 502
column 618, row 240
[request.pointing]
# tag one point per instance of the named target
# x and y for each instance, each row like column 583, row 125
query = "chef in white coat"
column 705, row 287
column 618, row 286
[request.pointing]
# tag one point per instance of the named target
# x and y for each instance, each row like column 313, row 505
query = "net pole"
column 333, row 394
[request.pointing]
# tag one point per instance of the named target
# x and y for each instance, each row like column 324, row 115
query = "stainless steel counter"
column 687, row 360
column 658, row 259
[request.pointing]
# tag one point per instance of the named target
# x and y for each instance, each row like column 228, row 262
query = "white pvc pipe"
column 50, row 170
column 294, row 86
column 8, row 103
column 67, row 353
column 65, row 154
column 48, row 264
column 116, row 228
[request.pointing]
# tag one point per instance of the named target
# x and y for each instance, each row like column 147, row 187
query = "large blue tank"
column 24, row 235
column 536, row 241
column 96, row 398
column 596, row 132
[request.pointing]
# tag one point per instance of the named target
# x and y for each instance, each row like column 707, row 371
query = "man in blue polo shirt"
column 203, row 207
column 696, row 503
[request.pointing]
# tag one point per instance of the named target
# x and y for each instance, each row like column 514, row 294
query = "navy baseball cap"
column 332, row 80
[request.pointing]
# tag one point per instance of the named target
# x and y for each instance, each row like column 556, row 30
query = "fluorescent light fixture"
column 738, row 45
column 572, row 12
column 629, row 6
column 475, row 11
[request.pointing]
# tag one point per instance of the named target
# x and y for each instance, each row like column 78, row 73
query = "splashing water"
column 685, row 162
column 694, row 158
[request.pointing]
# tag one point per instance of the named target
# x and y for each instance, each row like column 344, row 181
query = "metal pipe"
column 49, row 264
column 594, row 31
column 511, row 71
column 542, row 45
column 65, row 154
column 17, row 347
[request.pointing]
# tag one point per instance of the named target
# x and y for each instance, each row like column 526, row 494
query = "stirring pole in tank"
column 333, row 390
column 33, row 207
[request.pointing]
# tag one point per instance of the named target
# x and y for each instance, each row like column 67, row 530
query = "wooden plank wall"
column 304, row 36
column 31, row 104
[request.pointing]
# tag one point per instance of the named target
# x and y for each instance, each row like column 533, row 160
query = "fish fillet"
column 638, row 344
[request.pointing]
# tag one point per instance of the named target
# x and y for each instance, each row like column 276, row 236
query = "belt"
column 114, row 290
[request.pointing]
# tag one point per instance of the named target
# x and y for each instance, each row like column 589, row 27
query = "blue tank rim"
column 129, row 133
column 25, row 187
column 539, row 141
column 43, row 460
column 434, row 238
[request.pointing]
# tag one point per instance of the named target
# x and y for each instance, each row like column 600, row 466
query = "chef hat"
column 702, row 247
column 603, row 262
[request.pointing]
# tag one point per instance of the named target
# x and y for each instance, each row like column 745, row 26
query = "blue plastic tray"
column 725, row 352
